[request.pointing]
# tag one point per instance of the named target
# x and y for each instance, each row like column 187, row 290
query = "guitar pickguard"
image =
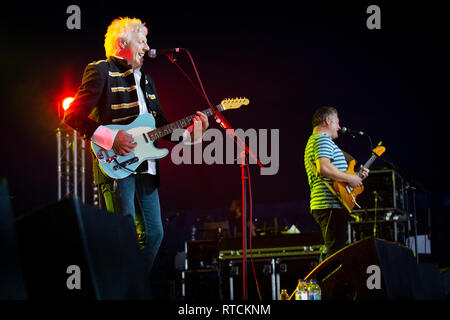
column 118, row 167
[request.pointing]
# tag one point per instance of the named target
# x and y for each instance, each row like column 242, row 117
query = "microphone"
column 154, row 53
column 352, row 132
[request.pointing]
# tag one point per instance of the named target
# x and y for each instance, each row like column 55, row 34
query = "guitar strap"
column 317, row 174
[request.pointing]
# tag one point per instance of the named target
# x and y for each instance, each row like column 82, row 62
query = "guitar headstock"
column 235, row 103
column 379, row 150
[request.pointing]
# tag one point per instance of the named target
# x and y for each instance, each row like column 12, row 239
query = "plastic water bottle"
column 308, row 289
column 193, row 232
column 315, row 293
column 302, row 291
column 283, row 295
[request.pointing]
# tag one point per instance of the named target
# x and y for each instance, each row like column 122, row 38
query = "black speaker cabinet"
column 203, row 285
column 351, row 272
column 201, row 254
column 68, row 243
column 12, row 285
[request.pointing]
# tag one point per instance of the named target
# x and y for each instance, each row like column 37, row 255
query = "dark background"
column 287, row 58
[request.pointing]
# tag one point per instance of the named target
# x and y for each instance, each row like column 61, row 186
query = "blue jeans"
column 134, row 197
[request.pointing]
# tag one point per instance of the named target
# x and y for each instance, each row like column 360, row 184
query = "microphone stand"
column 244, row 178
column 413, row 189
column 377, row 197
column 243, row 155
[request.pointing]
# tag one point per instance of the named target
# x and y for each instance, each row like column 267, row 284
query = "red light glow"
column 66, row 103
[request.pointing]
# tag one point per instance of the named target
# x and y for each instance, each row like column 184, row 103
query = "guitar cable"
column 375, row 216
column 251, row 221
column 251, row 236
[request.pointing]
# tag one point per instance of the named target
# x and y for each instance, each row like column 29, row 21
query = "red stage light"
column 66, row 103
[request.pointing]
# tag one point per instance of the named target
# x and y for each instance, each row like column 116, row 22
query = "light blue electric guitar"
column 144, row 133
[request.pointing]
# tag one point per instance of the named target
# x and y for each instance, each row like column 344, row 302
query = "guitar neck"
column 368, row 163
column 180, row 124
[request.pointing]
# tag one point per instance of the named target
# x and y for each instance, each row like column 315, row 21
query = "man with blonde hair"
column 116, row 91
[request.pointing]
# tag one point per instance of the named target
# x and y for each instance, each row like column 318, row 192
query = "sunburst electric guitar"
column 144, row 134
column 347, row 194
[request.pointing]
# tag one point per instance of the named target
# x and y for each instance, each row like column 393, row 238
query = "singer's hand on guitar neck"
column 123, row 143
column 198, row 127
column 364, row 172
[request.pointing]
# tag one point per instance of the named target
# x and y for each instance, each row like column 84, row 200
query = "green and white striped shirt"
column 320, row 145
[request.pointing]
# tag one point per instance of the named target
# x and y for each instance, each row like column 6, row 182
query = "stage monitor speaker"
column 12, row 285
column 390, row 187
column 350, row 274
column 71, row 250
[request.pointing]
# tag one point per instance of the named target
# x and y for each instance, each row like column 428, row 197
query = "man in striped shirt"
column 323, row 157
